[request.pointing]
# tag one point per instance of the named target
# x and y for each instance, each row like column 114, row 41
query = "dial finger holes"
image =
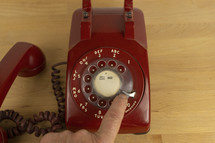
column 88, row 89
column 102, row 103
column 92, row 69
column 101, row 64
column 121, row 69
column 110, row 102
column 93, row 97
column 112, row 63
column 87, row 78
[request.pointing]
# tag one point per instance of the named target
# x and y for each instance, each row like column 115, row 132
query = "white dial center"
column 107, row 83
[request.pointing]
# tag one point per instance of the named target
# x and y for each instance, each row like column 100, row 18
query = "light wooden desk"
column 181, row 40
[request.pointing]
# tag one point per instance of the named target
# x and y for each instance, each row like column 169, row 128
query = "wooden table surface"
column 181, row 49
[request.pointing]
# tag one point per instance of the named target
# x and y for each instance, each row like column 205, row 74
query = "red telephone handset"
column 107, row 56
column 3, row 136
column 23, row 59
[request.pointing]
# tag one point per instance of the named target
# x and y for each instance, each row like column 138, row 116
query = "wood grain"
column 181, row 57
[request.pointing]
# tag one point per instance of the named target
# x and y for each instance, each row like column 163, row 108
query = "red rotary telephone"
column 107, row 56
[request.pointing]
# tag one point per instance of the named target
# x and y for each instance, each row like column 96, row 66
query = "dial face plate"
column 106, row 83
column 102, row 74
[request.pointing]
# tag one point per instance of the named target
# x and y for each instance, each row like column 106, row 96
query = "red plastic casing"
column 108, row 27
column 3, row 136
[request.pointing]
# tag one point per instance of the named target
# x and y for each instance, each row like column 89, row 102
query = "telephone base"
column 107, row 32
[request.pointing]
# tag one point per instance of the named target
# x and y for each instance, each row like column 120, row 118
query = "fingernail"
column 123, row 96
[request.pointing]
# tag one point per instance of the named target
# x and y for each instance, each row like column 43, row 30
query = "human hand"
column 106, row 133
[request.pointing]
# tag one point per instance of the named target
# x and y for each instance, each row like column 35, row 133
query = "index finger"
column 111, row 122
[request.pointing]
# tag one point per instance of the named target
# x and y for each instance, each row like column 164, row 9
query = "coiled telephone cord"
column 30, row 125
